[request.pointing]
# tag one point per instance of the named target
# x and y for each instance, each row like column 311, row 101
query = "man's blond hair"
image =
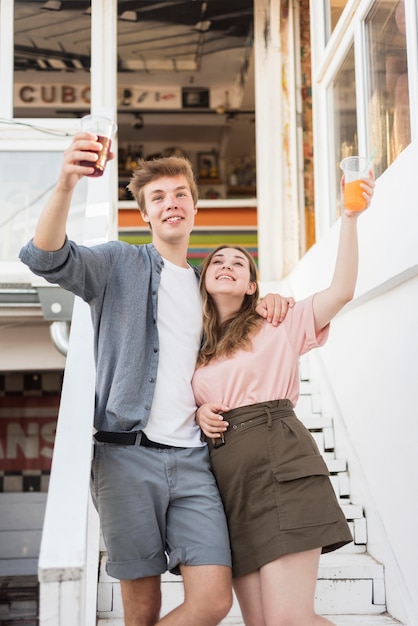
column 148, row 171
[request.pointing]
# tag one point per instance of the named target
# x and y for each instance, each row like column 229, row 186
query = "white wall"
column 371, row 362
column 28, row 347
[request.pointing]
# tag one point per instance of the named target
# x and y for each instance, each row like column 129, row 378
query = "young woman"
column 281, row 508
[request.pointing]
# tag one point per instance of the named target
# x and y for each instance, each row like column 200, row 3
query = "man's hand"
column 83, row 147
column 274, row 307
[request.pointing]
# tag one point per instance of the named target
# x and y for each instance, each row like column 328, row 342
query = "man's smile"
column 174, row 218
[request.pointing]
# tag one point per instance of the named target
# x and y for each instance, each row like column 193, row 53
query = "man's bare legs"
column 141, row 599
column 282, row 592
column 207, row 598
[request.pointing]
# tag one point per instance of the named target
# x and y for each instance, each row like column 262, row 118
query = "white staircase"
column 351, row 585
column 21, row 519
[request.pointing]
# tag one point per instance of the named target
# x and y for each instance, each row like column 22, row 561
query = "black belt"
column 129, row 439
column 251, row 414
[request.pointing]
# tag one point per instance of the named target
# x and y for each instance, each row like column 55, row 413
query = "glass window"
column 389, row 121
column 21, row 204
column 343, row 94
column 334, row 9
column 52, row 42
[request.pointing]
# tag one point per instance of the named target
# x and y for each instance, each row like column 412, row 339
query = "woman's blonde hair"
column 148, row 171
column 223, row 339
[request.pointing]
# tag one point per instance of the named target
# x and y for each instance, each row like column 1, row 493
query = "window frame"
column 327, row 59
column 20, row 135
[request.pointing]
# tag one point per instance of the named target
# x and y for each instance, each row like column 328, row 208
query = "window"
column 343, row 94
column 334, row 8
column 389, row 116
column 52, row 44
column 28, row 178
column 363, row 79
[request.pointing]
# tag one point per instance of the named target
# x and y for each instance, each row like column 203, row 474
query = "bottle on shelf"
column 128, row 159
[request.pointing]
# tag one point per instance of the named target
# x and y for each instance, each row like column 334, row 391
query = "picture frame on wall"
column 208, row 165
column 195, row 98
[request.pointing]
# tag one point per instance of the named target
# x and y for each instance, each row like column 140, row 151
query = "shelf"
column 210, row 181
column 242, row 190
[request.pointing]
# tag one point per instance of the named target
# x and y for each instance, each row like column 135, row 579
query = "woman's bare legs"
column 248, row 592
column 282, row 592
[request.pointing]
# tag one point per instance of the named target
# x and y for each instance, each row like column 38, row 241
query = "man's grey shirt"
column 120, row 283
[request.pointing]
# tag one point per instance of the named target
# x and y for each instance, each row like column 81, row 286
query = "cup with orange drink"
column 354, row 169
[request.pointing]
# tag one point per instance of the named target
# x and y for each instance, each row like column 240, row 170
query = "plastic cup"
column 354, row 169
column 105, row 129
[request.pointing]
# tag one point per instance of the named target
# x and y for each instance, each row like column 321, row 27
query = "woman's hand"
column 210, row 421
column 367, row 185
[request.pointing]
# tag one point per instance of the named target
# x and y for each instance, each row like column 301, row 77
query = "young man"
column 151, row 478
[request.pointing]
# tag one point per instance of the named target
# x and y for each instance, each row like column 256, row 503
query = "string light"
column 48, row 131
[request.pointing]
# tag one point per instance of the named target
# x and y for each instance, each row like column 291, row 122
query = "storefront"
column 312, row 82
column 200, row 100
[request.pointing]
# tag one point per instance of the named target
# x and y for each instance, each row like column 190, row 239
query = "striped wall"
column 213, row 226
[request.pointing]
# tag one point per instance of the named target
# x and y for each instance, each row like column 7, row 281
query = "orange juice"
column 353, row 196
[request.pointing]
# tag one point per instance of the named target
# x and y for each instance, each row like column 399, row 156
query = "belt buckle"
column 218, row 443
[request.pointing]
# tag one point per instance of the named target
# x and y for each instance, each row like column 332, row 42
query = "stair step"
column 347, row 584
column 338, row 620
column 337, row 565
column 19, row 601
column 366, row 620
column 350, row 584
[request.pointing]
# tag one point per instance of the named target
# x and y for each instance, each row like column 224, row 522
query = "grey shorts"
column 275, row 487
column 158, row 508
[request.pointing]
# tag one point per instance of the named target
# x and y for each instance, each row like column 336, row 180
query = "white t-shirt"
column 179, row 322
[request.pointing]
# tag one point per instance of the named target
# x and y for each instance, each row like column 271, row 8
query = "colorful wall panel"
column 213, row 226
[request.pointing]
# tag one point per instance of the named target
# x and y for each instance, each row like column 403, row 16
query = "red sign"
column 27, row 432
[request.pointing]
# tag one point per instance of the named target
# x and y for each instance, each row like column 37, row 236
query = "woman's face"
column 228, row 273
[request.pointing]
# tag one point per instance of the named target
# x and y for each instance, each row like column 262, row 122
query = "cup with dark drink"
column 105, row 129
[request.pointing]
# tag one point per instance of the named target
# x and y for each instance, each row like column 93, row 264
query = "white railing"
column 68, row 561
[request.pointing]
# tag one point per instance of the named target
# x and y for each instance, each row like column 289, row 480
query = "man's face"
column 170, row 209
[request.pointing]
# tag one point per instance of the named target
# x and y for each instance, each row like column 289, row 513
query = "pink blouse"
column 270, row 371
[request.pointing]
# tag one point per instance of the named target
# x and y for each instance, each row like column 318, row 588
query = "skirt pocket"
column 305, row 496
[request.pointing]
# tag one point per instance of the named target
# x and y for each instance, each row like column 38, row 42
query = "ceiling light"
column 57, row 64
column 52, row 5
column 129, row 16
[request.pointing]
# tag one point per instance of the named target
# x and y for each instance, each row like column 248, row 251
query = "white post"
column 6, row 57
column 269, row 137
column 104, row 86
column 69, row 555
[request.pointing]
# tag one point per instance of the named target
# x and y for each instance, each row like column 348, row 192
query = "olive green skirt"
column 275, row 487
